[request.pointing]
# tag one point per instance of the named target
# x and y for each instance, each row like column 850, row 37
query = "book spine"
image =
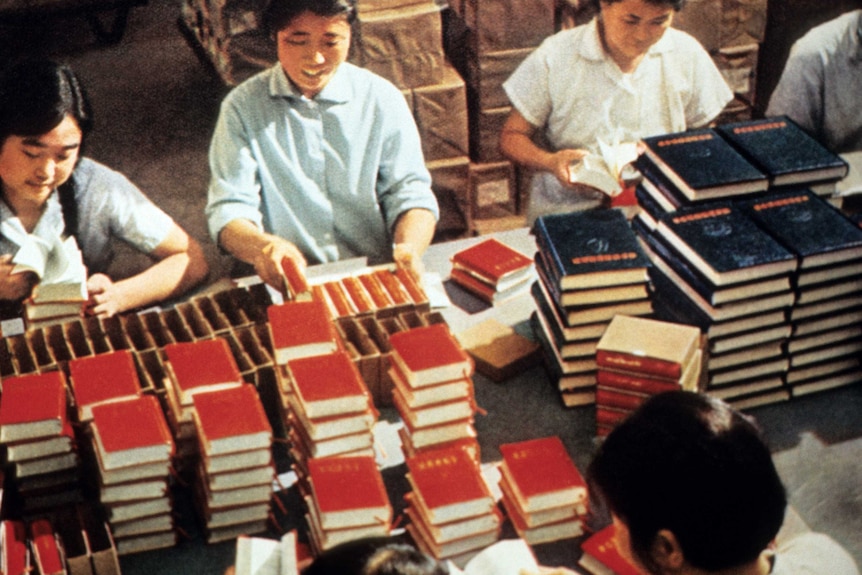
column 606, row 397
column 644, row 365
column 633, row 383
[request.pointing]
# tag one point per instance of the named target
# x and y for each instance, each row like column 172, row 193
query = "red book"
column 378, row 295
column 607, row 397
column 32, row 406
column 601, row 557
column 633, row 382
column 342, row 304
column 14, row 554
column 608, row 417
column 493, row 262
column 429, row 354
column 46, row 550
column 327, row 385
column 360, row 298
column 417, row 294
column 103, row 377
column 348, row 492
column 542, row 474
column 201, row 365
column 393, row 287
column 131, row 432
column 295, row 284
column 300, row 329
column 230, row 420
column 435, row 473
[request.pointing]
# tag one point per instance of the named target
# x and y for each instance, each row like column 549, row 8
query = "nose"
column 45, row 170
column 317, row 57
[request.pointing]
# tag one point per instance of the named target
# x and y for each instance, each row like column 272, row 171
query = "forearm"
column 164, row 280
column 264, row 251
column 415, row 228
column 519, row 148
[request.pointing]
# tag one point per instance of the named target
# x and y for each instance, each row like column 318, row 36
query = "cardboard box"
column 450, row 181
column 738, row 65
column 485, row 127
column 509, row 24
column 486, row 73
column 743, row 22
column 440, row 111
column 700, row 18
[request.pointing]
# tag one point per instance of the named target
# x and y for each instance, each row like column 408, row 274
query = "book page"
column 505, row 557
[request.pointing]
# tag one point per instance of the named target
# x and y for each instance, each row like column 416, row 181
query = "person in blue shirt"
column 316, row 159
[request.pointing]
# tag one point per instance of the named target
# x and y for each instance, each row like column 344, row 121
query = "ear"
column 666, row 551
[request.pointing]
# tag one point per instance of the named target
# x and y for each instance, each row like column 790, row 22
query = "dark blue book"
column 658, row 186
column 724, row 244
column 588, row 249
column 704, row 166
column 810, row 227
column 786, row 153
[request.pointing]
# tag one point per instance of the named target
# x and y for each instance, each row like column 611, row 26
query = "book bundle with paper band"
column 544, row 494
column 498, row 351
column 450, row 508
column 590, row 268
column 639, row 357
column 492, row 271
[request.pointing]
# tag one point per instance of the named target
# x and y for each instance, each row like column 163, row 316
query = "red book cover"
column 202, row 363
column 361, row 300
column 328, row 384
column 492, row 260
column 429, row 354
column 131, row 431
column 417, row 294
column 339, row 299
column 295, row 284
column 393, row 287
column 300, row 324
column 609, row 416
column 474, row 285
column 15, row 555
column 103, row 377
column 606, row 397
column 46, row 551
column 32, row 405
column 378, row 295
column 601, row 557
column 542, row 474
column 232, row 419
column 434, row 473
column 349, row 490
column 634, row 383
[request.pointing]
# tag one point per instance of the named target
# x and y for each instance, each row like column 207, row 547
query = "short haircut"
column 402, row 559
column 693, row 465
column 677, row 5
column 278, row 14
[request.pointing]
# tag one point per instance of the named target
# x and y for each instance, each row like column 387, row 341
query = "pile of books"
column 492, row 271
column 451, row 510
column 591, row 268
column 601, row 557
column 133, row 447
column 346, row 500
column 432, row 387
column 544, row 493
column 301, row 328
column 639, row 357
column 39, row 441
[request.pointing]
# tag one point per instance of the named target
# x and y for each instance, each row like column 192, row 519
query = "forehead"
column 66, row 134
column 310, row 23
column 640, row 8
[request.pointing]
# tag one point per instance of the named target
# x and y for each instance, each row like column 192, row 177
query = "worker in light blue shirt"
column 316, row 159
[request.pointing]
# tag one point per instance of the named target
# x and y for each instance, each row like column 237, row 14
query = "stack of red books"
column 544, row 494
column 329, row 408
column 38, row 439
column 14, row 554
column 492, row 271
column 346, row 500
column 432, row 387
column 601, row 557
column 301, row 329
column 102, row 378
column 639, row 357
column 133, row 449
column 451, row 510
column 236, row 473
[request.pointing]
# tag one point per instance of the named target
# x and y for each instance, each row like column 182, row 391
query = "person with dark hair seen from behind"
column 316, row 159
column 623, row 76
column 692, row 490
column 375, row 556
column 821, row 82
column 51, row 192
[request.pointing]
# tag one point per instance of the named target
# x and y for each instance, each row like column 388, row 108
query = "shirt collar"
column 338, row 90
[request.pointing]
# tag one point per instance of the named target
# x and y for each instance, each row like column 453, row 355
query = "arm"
column 17, row 286
column 264, row 251
column 180, row 265
column 413, row 233
column 516, row 143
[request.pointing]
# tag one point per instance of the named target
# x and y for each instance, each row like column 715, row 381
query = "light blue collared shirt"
column 330, row 174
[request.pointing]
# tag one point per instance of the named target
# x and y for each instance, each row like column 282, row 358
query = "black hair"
column 402, row 559
column 692, row 465
column 677, row 5
column 280, row 13
column 35, row 96
column 375, row 556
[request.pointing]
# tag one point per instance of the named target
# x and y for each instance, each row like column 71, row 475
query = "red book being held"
column 429, row 354
column 328, row 385
column 103, row 377
column 295, row 285
column 130, row 432
column 14, row 555
column 230, row 420
column 46, row 550
column 349, row 491
column 542, row 474
column 204, row 364
column 447, row 485
column 32, row 406
column 601, row 557
column 493, row 262
column 300, row 329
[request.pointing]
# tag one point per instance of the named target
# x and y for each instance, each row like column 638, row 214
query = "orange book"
column 131, row 432
column 103, row 377
column 202, row 364
column 417, row 294
column 361, row 300
column 32, row 406
column 448, row 485
column 295, row 284
column 230, row 420
column 339, row 299
column 301, row 328
column 429, row 354
column 327, row 385
column 601, row 557
column 15, row 557
column 393, row 287
column 542, row 474
column 493, row 262
column 378, row 295
column 46, row 550
column 348, row 492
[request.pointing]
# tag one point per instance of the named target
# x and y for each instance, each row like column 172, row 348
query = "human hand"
column 408, row 257
column 15, row 286
column 267, row 264
column 562, row 160
column 106, row 299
